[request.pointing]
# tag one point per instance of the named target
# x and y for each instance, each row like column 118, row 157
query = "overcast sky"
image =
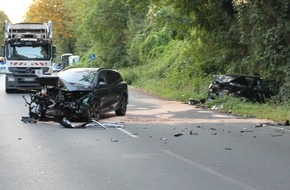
column 15, row 9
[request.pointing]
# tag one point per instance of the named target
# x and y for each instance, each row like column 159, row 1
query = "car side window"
column 113, row 77
column 102, row 79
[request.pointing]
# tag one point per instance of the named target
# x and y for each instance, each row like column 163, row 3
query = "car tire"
column 123, row 107
column 94, row 111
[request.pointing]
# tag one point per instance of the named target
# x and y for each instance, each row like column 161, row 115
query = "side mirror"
column 102, row 84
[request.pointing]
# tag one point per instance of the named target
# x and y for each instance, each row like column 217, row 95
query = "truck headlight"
column 10, row 79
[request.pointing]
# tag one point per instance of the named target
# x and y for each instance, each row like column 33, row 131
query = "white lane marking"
column 127, row 132
column 208, row 170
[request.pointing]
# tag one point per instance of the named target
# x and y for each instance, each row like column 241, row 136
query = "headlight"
column 11, row 79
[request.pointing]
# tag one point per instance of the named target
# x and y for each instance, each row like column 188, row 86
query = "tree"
column 3, row 17
column 54, row 10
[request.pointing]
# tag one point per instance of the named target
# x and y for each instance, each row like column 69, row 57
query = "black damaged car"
column 79, row 93
column 252, row 88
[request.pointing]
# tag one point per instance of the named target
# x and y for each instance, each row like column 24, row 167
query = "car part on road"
column 67, row 124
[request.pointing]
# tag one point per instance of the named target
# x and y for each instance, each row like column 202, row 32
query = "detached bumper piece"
column 67, row 124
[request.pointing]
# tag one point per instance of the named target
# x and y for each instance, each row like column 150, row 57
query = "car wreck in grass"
column 78, row 93
column 249, row 87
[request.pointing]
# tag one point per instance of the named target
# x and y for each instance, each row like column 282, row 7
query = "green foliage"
column 3, row 17
column 265, row 31
column 278, row 113
column 173, row 46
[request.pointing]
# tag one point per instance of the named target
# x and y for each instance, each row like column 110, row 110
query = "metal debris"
column 67, row 124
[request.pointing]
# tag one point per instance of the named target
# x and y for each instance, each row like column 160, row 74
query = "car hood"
column 68, row 86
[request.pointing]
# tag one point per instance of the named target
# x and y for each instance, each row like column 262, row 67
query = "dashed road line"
column 127, row 132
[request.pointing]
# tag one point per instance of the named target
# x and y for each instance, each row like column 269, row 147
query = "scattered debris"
column 28, row 120
column 227, row 148
column 219, row 107
column 114, row 140
column 214, row 134
column 196, row 102
column 192, row 133
column 67, row 124
column 260, row 125
column 246, row 130
column 19, row 138
column 178, row 134
column 276, row 135
column 163, row 139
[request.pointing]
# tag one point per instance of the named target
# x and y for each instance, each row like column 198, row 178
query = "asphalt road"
column 163, row 145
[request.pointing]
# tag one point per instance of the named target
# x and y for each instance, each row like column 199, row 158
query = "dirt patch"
column 171, row 112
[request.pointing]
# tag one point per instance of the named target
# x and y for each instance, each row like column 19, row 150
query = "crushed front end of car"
column 249, row 87
column 54, row 102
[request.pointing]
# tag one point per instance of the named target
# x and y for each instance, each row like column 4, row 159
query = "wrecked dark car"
column 79, row 93
column 249, row 87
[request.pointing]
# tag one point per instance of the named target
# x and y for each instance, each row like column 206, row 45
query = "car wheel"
column 123, row 107
column 94, row 111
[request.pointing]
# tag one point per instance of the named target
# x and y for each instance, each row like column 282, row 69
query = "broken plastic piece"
column 192, row 133
column 66, row 123
column 28, row 120
column 178, row 134
column 246, row 130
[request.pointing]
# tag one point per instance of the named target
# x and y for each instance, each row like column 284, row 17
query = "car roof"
column 87, row 69
column 82, row 69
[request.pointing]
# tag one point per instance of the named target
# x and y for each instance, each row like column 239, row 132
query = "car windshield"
column 78, row 77
column 28, row 52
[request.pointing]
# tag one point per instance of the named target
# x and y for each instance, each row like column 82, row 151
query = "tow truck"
column 28, row 52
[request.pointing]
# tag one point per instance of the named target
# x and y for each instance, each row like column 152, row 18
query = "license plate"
column 30, row 79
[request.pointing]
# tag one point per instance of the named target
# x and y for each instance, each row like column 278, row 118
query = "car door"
column 114, row 91
column 104, row 90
